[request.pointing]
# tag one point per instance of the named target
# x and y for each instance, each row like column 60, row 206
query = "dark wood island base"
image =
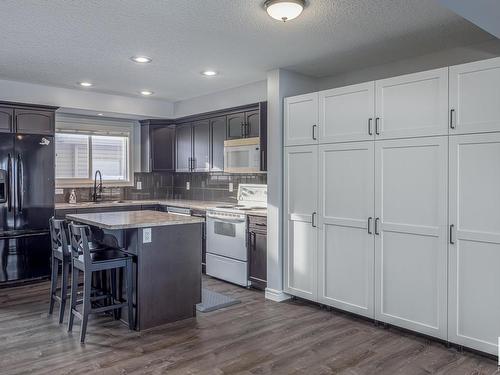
column 167, row 265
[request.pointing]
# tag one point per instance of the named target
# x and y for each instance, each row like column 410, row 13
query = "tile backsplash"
column 210, row 186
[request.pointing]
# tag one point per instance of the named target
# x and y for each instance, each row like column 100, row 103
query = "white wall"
column 440, row 59
column 280, row 84
column 247, row 94
column 85, row 101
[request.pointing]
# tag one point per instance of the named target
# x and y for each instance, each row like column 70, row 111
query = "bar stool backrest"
column 59, row 236
column 79, row 235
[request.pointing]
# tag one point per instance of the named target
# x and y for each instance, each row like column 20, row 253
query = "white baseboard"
column 276, row 295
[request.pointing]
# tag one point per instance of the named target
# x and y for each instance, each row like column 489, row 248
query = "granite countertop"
column 184, row 203
column 133, row 219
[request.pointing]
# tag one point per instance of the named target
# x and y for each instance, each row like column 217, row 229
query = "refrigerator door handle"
column 20, row 186
column 9, row 183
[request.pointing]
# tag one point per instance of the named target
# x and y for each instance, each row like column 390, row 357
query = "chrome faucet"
column 97, row 187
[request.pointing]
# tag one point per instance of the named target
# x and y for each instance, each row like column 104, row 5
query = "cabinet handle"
column 247, row 129
column 370, row 225
column 452, row 118
column 262, row 160
column 314, row 132
column 452, row 240
column 377, row 220
column 313, row 219
column 377, row 121
column 243, row 130
column 370, row 130
column 251, row 240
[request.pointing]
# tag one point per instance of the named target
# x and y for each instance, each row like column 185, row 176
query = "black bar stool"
column 83, row 260
column 61, row 256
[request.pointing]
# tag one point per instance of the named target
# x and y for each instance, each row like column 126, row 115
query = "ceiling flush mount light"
column 141, row 59
column 284, row 10
column 146, row 92
column 85, row 84
column 209, row 73
column 100, row 114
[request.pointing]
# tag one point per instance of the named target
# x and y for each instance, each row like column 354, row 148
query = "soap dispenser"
column 72, row 197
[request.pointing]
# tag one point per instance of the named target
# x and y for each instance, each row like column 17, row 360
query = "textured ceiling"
column 61, row 42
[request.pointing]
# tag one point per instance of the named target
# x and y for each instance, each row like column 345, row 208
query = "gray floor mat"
column 211, row 301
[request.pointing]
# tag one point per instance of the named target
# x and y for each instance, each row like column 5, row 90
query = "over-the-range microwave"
column 242, row 155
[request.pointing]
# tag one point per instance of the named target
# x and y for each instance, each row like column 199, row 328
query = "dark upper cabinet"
column 252, row 123
column 217, row 138
column 183, row 146
column 162, row 143
column 34, row 121
column 235, row 125
column 257, row 251
column 201, row 146
column 6, row 116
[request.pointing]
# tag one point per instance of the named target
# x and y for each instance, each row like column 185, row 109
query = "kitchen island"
column 167, row 260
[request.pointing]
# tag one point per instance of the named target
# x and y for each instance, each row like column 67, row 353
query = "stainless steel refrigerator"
column 26, row 204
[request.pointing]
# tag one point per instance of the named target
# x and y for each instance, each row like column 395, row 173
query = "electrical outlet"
column 146, row 235
column 231, row 187
column 138, row 185
column 59, row 191
column 188, row 185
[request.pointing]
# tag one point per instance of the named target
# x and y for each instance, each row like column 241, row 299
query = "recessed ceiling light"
column 146, row 92
column 284, row 10
column 100, row 114
column 209, row 73
column 85, row 84
column 141, row 59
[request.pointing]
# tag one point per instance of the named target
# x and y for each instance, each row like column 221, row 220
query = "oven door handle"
column 232, row 221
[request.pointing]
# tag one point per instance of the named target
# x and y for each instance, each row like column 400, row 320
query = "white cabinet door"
column 300, row 232
column 474, row 263
column 411, row 234
column 347, row 113
column 412, row 105
column 475, row 97
column 346, row 255
column 301, row 120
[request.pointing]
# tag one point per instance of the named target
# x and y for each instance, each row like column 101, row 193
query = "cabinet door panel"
column 301, row 120
column 218, row 136
column 258, row 257
column 411, row 247
column 300, row 235
column 162, row 140
column 413, row 105
column 183, row 147
column 6, row 115
column 346, row 256
column 252, row 119
column 235, row 123
column 475, row 248
column 475, row 96
column 201, row 148
column 347, row 113
column 34, row 121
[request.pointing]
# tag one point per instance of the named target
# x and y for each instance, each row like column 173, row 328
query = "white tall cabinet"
column 392, row 201
column 474, row 263
column 346, row 252
column 411, row 233
column 301, row 201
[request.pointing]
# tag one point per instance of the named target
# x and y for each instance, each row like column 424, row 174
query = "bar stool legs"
column 53, row 284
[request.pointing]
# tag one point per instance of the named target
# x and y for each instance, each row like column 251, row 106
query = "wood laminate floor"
column 254, row 337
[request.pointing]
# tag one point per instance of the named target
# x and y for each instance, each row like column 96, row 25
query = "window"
column 78, row 156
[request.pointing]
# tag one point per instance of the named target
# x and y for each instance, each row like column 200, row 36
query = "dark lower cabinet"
column 257, row 251
column 202, row 214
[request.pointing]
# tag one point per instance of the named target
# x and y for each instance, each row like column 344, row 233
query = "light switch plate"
column 138, row 185
column 188, row 185
column 231, row 188
column 146, row 235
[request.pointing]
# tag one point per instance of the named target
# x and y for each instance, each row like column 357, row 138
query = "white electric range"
column 227, row 256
